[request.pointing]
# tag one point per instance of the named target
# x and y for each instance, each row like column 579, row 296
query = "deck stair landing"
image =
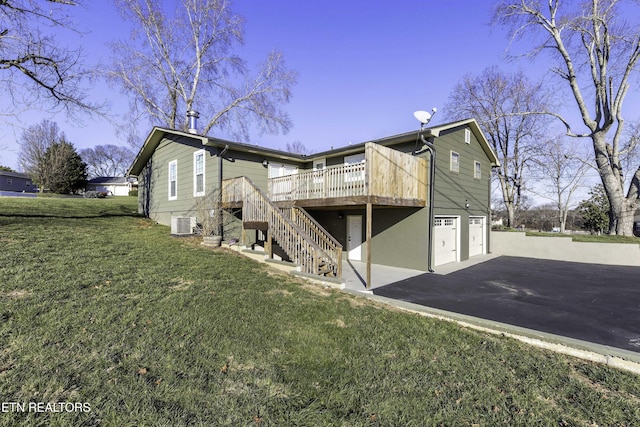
column 305, row 242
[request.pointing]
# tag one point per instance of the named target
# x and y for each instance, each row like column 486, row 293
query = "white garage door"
column 445, row 240
column 476, row 236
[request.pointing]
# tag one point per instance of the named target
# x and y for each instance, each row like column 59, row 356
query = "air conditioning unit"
column 183, row 225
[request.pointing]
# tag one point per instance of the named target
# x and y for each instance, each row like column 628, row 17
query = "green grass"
column 100, row 306
column 605, row 238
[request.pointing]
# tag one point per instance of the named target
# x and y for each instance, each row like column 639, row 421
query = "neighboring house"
column 16, row 182
column 112, row 185
column 370, row 199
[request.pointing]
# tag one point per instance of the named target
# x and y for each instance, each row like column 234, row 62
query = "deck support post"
column 243, row 236
column 269, row 244
column 369, row 233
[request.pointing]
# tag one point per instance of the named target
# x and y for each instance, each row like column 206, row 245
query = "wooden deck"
column 386, row 177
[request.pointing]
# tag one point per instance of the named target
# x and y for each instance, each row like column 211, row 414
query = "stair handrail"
column 319, row 234
column 257, row 207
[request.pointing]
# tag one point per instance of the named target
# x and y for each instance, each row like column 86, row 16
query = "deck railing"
column 298, row 243
column 334, row 181
column 384, row 173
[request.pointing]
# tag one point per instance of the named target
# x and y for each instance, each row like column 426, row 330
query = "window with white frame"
column 467, row 136
column 354, row 167
column 284, row 186
column 173, row 180
column 198, row 173
column 276, row 170
column 454, row 164
column 319, row 165
column 477, row 170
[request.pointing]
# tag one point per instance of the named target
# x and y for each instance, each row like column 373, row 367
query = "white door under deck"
column 354, row 237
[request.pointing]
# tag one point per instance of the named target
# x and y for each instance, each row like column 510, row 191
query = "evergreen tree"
column 595, row 210
column 64, row 170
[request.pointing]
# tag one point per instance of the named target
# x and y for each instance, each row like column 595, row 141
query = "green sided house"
column 365, row 202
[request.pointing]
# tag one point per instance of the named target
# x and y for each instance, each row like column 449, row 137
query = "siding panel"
column 453, row 190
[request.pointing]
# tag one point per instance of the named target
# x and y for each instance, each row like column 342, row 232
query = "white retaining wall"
column 564, row 249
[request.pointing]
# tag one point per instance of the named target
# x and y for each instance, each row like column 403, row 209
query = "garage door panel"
column 445, row 240
column 476, row 236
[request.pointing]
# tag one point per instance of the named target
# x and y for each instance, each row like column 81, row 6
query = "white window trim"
column 172, row 163
column 355, row 159
column 451, row 155
column 467, row 136
column 277, row 170
column 318, row 171
column 274, row 170
column 204, row 173
column 317, row 162
column 477, row 169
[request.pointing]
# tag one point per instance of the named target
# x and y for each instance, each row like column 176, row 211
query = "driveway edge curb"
column 611, row 356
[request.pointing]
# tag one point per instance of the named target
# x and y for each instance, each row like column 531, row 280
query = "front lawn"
column 102, row 310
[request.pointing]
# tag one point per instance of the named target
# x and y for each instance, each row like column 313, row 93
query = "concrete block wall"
column 564, row 249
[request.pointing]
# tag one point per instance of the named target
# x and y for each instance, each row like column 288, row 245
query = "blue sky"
column 364, row 66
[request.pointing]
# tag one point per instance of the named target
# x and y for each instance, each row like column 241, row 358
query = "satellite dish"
column 422, row 116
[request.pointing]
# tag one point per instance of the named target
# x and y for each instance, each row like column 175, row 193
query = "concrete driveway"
column 588, row 302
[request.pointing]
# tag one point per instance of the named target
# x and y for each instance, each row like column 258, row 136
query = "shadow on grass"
column 66, row 216
column 26, row 219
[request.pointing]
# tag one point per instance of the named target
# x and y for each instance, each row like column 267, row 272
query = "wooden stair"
column 304, row 241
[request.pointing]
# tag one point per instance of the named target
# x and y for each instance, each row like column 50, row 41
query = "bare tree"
column 297, row 147
column 597, row 52
column 34, row 67
column 107, row 160
column 560, row 168
column 185, row 61
column 34, row 143
column 630, row 148
column 496, row 100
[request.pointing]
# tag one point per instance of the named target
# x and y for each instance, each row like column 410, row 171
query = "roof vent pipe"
column 192, row 117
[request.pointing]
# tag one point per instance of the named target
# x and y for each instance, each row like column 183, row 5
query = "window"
column 281, row 187
column 319, row 166
column 444, row 222
column 477, row 170
column 276, row 170
column 173, row 180
column 454, row 164
column 9, row 181
column 354, row 167
column 467, row 136
column 198, row 173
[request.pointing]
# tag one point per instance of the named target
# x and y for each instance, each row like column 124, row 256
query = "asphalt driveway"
column 589, row 302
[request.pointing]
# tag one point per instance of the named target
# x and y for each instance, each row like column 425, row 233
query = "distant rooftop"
column 108, row 180
column 15, row 174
